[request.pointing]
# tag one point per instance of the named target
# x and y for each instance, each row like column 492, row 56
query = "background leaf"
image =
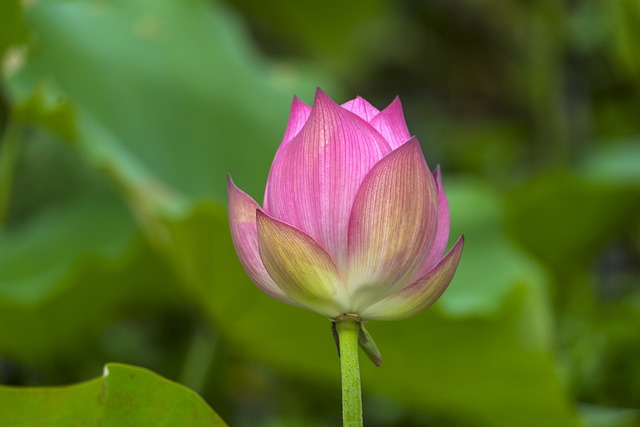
column 124, row 396
column 131, row 113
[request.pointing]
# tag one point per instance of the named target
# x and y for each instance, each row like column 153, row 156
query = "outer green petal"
column 420, row 294
column 300, row 266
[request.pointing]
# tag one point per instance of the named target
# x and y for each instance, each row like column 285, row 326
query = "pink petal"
column 300, row 267
column 297, row 118
column 420, row 294
column 391, row 124
column 315, row 177
column 242, row 219
column 442, row 235
column 392, row 225
column 361, row 108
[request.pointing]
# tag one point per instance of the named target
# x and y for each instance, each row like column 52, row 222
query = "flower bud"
column 353, row 221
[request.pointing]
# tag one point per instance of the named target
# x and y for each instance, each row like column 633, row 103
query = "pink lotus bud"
column 353, row 220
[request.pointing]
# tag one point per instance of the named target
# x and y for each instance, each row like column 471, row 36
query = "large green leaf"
column 565, row 218
column 34, row 260
column 72, row 259
column 125, row 396
column 64, row 279
column 173, row 85
column 165, row 97
column 481, row 356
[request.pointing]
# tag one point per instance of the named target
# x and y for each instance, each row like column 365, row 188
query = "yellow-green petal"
column 421, row 294
column 300, row 266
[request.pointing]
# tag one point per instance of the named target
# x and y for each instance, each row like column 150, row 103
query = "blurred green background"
column 121, row 118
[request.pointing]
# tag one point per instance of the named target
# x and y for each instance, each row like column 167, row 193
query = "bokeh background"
column 121, row 118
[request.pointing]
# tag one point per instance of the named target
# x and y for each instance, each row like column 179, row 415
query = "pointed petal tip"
column 322, row 103
column 391, row 124
column 396, row 103
column 297, row 102
column 232, row 188
column 413, row 140
column 320, row 93
column 323, row 99
column 361, row 108
column 411, row 144
column 298, row 115
column 455, row 251
column 394, row 106
column 414, row 145
column 457, row 247
column 437, row 175
column 242, row 222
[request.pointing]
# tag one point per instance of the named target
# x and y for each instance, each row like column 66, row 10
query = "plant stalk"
column 348, row 329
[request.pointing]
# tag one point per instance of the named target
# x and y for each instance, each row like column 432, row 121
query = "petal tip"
column 412, row 144
column 457, row 247
column 396, row 103
column 322, row 99
column 320, row 93
column 297, row 103
column 232, row 188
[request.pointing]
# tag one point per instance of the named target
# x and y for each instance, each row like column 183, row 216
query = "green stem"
column 348, row 330
column 199, row 360
column 9, row 148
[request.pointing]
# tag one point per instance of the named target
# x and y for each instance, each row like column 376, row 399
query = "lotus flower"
column 353, row 220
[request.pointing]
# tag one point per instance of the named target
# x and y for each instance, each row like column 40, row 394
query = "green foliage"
column 126, row 117
column 13, row 30
column 178, row 59
column 125, row 396
column 577, row 215
column 342, row 45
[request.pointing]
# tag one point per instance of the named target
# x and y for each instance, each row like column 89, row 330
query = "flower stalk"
column 348, row 328
column 354, row 226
